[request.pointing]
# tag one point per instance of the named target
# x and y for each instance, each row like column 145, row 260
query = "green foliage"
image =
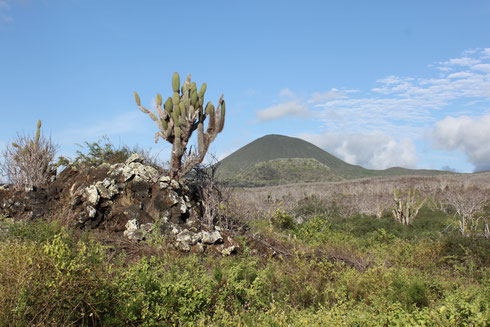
column 150, row 294
column 52, row 281
column 99, row 152
column 36, row 231
column 409, row 292
column 103, row 150
column 285, row 171
column 335, row 274
column 282, row 220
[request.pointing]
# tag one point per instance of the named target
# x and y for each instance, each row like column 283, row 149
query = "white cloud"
column 460, row 75
column 5, row 7
column 483, row 67
column 486, row 53
column 290, row 105
column 6, row 19
column 444, row 68
column 370, row 150
column 318, row 97
column 466, row 134
column 400, row 106
column 284, row 109
column 4, row 4
column 464, row 61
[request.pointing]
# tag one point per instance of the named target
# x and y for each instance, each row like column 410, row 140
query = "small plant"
column 407, row 209
column 179, row 117
column 28, row 161
column 281, row 219
column 104, row 151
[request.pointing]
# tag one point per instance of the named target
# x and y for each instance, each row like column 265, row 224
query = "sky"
column 376, row 83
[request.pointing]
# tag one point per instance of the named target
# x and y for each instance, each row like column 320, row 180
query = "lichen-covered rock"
column 92, row 195
column 211, row 237
column 129, row 198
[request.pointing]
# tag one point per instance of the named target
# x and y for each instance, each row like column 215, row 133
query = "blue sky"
column 377, row 83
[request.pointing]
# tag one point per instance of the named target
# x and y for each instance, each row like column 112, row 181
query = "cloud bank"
column 290, row 105
column 369, row 150
column 466, row 134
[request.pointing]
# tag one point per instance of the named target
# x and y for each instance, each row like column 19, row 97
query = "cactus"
column 181, row 115
column 406, row 210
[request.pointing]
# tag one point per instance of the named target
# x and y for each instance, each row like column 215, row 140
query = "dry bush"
column 407, row 207
column 468, row 201
column 371, row 196
column 215, row 196
column 28, row 161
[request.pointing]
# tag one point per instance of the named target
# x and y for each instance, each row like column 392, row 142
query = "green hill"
column 257, row 163
column 285, row 171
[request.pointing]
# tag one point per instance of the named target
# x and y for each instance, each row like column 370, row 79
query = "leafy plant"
column 104, row 151
column 281, row 219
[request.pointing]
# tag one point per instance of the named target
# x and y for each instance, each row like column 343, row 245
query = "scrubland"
column 310, row 255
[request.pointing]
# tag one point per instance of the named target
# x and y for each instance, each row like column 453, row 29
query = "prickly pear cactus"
column 180, row 116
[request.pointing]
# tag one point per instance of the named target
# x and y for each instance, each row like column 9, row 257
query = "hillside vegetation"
column 285, row 171
column 240, row 168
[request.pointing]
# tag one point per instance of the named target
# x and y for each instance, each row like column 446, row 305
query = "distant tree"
column 406, row 207
column 467, row 202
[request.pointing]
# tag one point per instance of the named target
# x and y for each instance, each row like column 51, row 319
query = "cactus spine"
column 180, row 116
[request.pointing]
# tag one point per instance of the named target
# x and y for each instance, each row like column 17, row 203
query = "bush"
column 58, row 281
column 282, row 220
column 28, row 161
column 104, row 151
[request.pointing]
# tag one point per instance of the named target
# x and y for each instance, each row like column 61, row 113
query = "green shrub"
column 312, row 205
column 409, row 292
column 282, row 220
column 57, row 281
column 104, row 151
column 38, row 231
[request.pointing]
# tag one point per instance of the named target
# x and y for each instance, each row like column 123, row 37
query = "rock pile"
column 129, row 198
